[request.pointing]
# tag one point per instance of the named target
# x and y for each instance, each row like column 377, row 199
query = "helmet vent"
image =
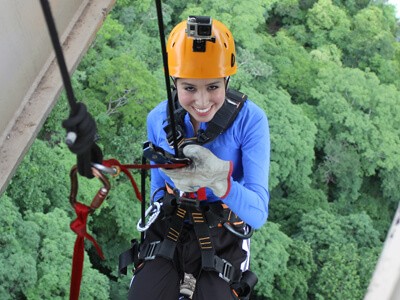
column 225, row 45
column 233, row 60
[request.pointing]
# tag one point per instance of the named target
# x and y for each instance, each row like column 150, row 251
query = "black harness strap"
column 166, row 248
column 224, row 117
column 204, row 239
column 209, row 260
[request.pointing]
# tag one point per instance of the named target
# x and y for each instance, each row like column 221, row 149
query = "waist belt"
column 216, row 213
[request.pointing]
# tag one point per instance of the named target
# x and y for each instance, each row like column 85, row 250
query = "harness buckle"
column 188, row 201
column 227, row 271
column 151, row 250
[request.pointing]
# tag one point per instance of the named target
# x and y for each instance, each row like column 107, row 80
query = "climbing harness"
column 178, row 210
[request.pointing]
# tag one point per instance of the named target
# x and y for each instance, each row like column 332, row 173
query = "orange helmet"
column 195, row 56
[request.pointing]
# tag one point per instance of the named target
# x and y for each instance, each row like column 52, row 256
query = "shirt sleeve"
column 249, row 198
column 153, row 131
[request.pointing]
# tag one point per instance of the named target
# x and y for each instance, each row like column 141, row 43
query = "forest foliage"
column 326, row 73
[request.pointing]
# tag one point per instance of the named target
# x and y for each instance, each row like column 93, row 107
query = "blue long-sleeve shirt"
column 246, row 143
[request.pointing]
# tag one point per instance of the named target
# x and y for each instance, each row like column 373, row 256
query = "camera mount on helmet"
column 199, row 28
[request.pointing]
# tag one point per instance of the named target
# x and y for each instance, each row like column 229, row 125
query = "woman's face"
column 201, row 98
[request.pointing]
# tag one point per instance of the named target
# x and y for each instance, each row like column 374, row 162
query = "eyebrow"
column 208, row 84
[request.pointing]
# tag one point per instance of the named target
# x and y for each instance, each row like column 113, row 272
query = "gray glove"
column 206, row 170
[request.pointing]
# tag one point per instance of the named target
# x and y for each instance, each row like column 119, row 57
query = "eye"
column 213, row 87
column 190, row 89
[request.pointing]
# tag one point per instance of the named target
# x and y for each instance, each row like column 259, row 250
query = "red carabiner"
column 101, row 193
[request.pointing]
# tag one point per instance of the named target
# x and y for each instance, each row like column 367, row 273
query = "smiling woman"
column 221, row 133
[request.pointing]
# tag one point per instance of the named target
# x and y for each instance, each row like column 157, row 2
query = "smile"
column 202, row 111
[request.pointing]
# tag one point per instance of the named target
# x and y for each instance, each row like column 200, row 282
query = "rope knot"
column 79, row 224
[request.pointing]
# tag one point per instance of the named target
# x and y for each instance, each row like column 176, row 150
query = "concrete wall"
column 25, row 49
column 30, row 80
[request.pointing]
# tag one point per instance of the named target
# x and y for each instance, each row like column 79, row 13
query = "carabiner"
column 101, row 193
column 154, row 209
column 248, row 230
column 109, row 170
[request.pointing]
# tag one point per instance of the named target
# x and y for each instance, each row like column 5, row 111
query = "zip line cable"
column 166, row 74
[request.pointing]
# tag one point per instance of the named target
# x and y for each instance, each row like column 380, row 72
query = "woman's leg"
column 156, row 279
column 211, row 286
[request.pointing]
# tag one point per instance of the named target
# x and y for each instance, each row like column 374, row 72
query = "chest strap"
column 221, row 121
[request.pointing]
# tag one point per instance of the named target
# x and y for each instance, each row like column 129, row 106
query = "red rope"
column 79, row 224
column 79, row 227
column 125, row 168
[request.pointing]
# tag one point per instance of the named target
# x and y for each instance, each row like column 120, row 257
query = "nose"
column 202, row 99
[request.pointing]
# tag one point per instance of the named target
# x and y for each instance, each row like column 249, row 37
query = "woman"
column 206, row 204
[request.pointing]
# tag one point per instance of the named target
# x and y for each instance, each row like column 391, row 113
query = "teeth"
column 202, row 110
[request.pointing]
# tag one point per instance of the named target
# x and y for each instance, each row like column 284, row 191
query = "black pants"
column 160, row 278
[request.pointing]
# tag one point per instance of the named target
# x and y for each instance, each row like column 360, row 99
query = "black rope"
column 59, row 55
column 143, row 174
column 166, row 73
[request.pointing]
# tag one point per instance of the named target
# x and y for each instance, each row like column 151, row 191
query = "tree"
column 54, row 261
column 328, row 24
column 269, row 257
column 339, row 244
column 292, row 137
column 336, row 282
column 19, row 242
column 294, row 283
column 371, row 39
column 288, row 207
column 120, row 213
column 358, row 113
column 32, row 187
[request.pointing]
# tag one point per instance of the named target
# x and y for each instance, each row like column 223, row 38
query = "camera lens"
column 204, row 30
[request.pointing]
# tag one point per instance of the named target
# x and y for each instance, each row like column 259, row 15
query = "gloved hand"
column 85, row 148
column 206, row 170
